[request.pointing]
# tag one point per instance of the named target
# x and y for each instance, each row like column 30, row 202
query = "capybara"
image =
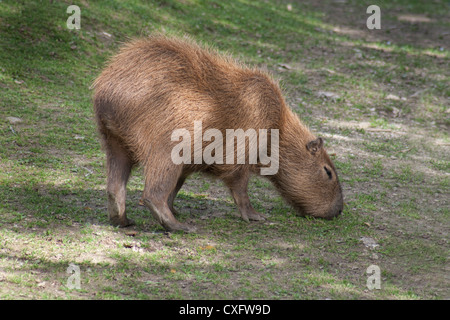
column 161, row 83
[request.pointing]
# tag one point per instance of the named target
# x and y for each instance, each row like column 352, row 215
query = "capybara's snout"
column 336, row 209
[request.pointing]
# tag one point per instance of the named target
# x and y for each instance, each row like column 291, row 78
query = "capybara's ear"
column 314, row 145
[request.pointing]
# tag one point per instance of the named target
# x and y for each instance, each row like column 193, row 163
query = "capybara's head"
column 308, row 180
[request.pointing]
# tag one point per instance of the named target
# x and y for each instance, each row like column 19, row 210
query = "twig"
column 378, row 130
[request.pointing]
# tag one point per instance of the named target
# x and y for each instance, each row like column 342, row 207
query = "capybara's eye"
column 328, row 171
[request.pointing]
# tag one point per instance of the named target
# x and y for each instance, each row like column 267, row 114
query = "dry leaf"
column 285, row 66
column 131, row 233
column 208, row 247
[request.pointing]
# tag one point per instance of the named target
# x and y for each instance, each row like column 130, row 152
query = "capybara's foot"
column 121, row 223
column 256, row 216
column 181, row 227
column 252, row 215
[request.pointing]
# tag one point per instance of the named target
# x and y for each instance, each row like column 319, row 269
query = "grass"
column 386, row 128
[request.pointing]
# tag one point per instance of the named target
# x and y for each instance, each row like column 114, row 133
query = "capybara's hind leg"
column 158, row 188
column 174, row 193
column 172, row 196
column 119, row 167
column 238, row 186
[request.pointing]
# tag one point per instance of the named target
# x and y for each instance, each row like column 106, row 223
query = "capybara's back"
column 159, row 84
column 156, row 85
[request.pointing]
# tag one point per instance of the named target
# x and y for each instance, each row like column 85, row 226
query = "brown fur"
column 158, row 84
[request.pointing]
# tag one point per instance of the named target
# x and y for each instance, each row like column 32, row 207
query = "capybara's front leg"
column 238, row 186
column 119, row 167
column 158, row 189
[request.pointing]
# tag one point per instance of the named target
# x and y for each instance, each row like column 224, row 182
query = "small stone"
column 392, row 97
column 14, row 120
column 369, row 242
column 327, row 95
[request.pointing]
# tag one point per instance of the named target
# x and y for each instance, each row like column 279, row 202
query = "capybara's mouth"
column 304, row 214
column 334, row 216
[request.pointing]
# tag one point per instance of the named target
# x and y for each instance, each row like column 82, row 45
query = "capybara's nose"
column 336, row 211
column 340, row 206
